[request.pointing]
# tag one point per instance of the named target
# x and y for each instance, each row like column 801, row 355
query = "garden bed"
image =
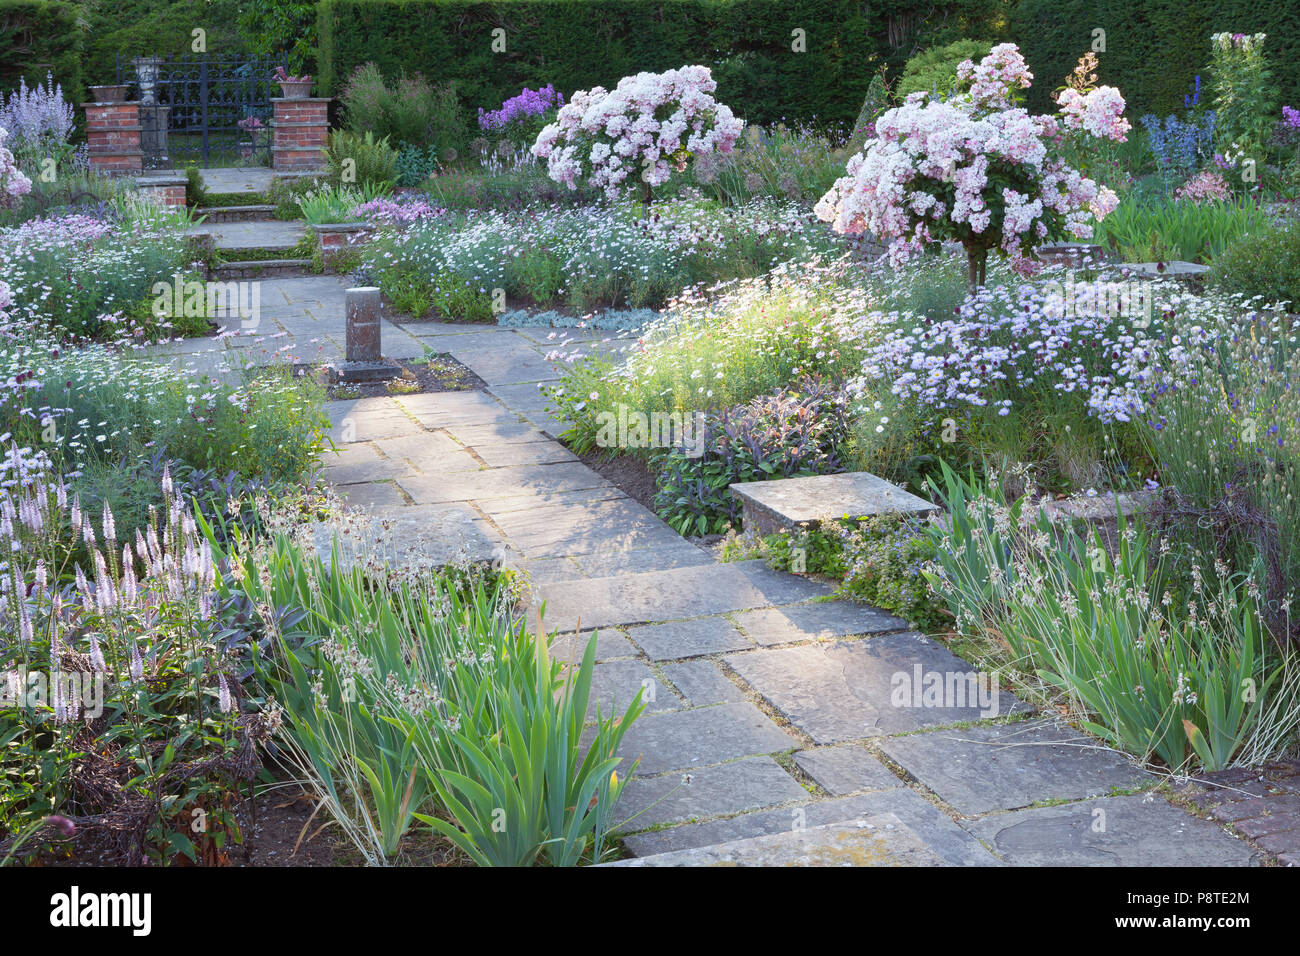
column 439, row 373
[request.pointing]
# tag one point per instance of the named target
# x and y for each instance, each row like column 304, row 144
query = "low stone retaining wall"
column 335, row 237
column 163, row 190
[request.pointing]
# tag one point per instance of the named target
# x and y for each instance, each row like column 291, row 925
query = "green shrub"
column 463, row 187
column 1264, row 264
column 1245, row 98
column 874, row 103
column 410, row 110
column 284, row 195
column 196, row 194
column 360, row 160
column 415, row 164
column 878, row 561
column 935, row 70
column 718, row 351
column 780, row 163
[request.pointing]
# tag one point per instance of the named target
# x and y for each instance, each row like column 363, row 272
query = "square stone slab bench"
column 789, row 503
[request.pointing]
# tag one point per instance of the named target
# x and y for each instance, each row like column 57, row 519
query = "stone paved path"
column 773, row 730
column 252, row 179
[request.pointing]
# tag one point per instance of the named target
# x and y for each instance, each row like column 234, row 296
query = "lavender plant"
column 40, row 124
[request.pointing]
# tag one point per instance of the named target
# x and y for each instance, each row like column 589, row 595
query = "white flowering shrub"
column 976, row 168
column 643, row 129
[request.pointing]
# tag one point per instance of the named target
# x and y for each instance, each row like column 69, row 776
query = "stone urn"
column 115, row 93
column 295, row 89
column 147, row 69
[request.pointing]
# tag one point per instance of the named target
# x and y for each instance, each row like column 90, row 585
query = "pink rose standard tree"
column 977, row 169
column 647, row 126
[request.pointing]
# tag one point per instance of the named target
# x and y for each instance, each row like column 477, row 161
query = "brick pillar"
column 298, row 129
column 113, row 135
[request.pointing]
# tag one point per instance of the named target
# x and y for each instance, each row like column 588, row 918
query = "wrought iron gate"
column 217, row 109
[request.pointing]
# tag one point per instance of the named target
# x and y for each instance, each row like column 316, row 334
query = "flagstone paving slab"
column 946, row 838
column 342, row 468
column 615, row 684
column 756, row 823
column 522, row 502
column 497, row 433
column 678, row 639
column 1003, row 767
column 354, row 421
column 522, row 396
column 414, row 536
column 500, row 483
column 1132, row 830
column 844, row 690
column 668, row 554
column 373, row 495
column 545, row 570
column 530, row 453
column 236, row 179
column 712, row 791
column 779, row 587
column 702, row 737
column 577, row 527
column 447, row 409
column 423, row 447
column 659, row 595
column 254, row 234
column 702, row 684
column 552, row 426
column 506, row 367
column 880, row 840
column 846, row 768
column 467, row 338
column 815, row 622
column 610, row 645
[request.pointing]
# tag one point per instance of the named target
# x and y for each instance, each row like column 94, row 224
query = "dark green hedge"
column 128, row 28
column 39, row 37
column 1154, row 48
column 577, row 44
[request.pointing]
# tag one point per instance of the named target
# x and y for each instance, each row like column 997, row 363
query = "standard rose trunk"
column 976, row 260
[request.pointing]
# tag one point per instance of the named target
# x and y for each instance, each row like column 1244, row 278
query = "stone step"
column 878, row 840
column 262, row 269
column 235, row 213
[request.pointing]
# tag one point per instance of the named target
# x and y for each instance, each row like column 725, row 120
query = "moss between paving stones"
column 222, row 200
column 303, row 250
